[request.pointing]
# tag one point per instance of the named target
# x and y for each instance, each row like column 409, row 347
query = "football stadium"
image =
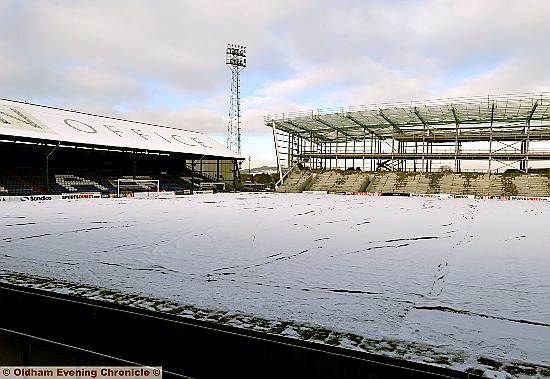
column 129, row 244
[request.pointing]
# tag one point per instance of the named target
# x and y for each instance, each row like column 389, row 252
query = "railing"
column 281, row 181
column 449, row 152
column 516, row 99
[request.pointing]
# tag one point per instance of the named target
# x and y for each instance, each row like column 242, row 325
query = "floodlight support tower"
column 235, row 58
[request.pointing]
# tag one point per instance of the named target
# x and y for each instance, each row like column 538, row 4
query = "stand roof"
column 475, row 118
column 24, row 122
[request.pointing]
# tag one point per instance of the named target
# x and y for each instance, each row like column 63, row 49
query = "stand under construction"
column 484, row 134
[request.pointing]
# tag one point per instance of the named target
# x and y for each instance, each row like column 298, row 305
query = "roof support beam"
column 421, row 118
column 339, row 130
column 491, row 136
column 457, row 145
column 530, row 117
column 528, row 132
column 350, row 117
column 391, row 122
column 281, row 125
column 307, row 131
column 457, row 120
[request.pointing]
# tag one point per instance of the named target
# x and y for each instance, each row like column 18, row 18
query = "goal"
column 137, row 187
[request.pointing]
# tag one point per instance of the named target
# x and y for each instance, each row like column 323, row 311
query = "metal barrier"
column 39, row 327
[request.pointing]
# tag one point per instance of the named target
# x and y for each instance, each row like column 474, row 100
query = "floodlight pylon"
column 235, row 58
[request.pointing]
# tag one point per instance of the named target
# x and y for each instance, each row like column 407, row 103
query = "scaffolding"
column 485, row 134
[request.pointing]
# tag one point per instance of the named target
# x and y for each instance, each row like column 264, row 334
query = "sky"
column 163, row 61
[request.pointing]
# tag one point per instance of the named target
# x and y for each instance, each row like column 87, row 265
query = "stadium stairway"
column 338, row 181
column 377, row 182
column 297, row 181
column 353, row 182
column 326, row 180
column 330, row 181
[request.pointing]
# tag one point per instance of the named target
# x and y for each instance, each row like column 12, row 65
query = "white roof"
column 18, row 119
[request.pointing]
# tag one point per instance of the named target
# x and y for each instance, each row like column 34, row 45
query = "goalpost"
column 137, row 187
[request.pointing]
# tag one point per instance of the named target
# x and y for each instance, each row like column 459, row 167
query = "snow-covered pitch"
column 463, row 283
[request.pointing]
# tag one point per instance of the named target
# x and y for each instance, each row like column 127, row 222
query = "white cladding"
column 57, row 125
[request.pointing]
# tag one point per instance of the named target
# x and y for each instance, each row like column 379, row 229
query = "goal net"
column 138, row 187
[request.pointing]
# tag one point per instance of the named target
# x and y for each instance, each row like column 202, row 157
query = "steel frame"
column 496, row 131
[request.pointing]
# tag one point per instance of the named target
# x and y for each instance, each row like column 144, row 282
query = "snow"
column 458, row 282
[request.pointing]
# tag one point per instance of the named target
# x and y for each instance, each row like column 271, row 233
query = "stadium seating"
column 31, row 181
column 468, row 183
column 330, row 181
column 531, row 185
column 74, row 183
column 11, row 184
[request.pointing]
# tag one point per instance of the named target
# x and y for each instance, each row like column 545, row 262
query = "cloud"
column 164, row 62
column 514, row 76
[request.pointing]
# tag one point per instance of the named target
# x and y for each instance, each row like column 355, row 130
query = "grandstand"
column 398, row 182
column 487, row 145
column 46, row 150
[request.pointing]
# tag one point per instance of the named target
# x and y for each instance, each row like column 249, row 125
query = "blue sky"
column 164, row 61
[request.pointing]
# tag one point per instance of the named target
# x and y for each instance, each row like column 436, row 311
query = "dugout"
column 41, row 144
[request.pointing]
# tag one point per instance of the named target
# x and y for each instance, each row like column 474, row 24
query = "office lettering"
column 117, row 132
column 89, row 128
column 139, row 133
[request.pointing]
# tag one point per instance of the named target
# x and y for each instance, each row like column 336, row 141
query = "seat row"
column 26, row 182
column 473, row 183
